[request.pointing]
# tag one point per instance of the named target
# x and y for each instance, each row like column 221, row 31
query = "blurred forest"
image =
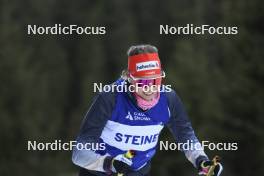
column 47, row 80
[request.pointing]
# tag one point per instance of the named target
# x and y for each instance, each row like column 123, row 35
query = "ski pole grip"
column 216, row 160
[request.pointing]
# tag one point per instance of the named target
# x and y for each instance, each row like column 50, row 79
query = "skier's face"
column 147, row 94
column 147, row 88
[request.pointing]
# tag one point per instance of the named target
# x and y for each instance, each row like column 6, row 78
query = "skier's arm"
column 182, row 130
column 90, row 132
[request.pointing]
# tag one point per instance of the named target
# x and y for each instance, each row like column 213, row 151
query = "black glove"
column 121, row 167
column 118, row 164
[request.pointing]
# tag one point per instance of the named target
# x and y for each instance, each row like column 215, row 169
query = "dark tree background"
column 46, row 82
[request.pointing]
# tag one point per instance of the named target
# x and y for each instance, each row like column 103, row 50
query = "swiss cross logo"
column 147, row 65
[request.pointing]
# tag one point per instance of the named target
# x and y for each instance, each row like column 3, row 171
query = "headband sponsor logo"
column 147, row 65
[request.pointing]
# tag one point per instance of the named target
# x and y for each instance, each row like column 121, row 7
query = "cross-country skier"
column 122, row 126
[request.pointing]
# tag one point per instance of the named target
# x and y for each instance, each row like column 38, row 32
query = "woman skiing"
column 126, row 124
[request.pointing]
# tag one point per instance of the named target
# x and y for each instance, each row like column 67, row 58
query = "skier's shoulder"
column 107, row 97
column 171, row 96
column 108, row 92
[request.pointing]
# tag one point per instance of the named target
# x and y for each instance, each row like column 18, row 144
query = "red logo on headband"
column 144, row 65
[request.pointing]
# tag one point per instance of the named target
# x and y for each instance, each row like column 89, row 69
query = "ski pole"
column 216, row 160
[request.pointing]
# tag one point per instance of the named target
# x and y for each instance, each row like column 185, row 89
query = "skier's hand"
column 205, row 166
column 121, row 164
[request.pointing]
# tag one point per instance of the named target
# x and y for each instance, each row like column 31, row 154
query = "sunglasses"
column 148, row 81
